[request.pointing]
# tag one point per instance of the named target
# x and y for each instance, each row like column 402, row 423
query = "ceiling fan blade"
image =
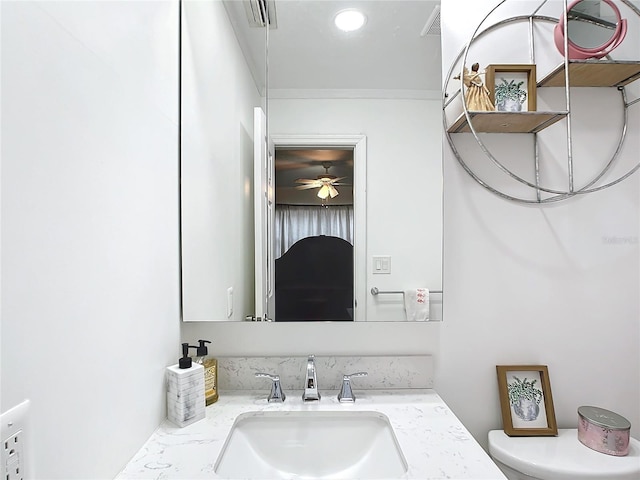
column 333, row 181
column 333, row 191
column 307, row 180
column 307, row 186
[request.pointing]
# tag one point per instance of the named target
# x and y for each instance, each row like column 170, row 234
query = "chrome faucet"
column 311, row 382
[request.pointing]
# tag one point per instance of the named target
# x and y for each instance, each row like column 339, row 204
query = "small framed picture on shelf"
column 526, row 401
column 512, row 88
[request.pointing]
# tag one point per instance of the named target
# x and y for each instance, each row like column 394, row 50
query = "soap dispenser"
column 185, row 390
column 210, row 365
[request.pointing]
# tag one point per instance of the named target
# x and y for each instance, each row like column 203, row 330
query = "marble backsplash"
column 384, row 372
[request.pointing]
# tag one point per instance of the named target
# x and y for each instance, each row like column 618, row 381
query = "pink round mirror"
column 594, row 29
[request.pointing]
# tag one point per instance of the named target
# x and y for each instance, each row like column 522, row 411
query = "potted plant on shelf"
column 510, row 96
column 525, row 398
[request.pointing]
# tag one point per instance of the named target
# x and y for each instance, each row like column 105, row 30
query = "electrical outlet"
column 13, row 457
column 13, row 428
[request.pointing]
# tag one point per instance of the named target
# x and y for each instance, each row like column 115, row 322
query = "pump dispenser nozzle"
column 202, row 350
column 185, row 361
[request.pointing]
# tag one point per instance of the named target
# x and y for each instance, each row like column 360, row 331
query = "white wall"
column 218, row 97
column 90, row 313
column 540, row 284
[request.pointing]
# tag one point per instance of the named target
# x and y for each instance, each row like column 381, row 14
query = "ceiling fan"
column 326, row 183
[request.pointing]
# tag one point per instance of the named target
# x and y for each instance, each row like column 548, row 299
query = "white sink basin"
column 311, row 445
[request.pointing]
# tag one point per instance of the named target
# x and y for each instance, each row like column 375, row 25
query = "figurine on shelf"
column 477, row 95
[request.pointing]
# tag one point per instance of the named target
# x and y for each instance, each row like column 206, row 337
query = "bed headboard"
column 314, row 280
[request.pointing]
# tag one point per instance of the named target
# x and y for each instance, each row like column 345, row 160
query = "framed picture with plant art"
column 512, row 88
column 526, row 401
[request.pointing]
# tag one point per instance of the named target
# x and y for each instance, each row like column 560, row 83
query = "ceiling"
column 387, row 58
column 307, row 51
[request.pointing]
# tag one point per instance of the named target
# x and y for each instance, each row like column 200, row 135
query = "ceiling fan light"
column 333, row 191
column 323, row 192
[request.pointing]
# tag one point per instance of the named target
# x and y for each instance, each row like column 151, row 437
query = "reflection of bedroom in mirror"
column 313, row 230
column 374, row 93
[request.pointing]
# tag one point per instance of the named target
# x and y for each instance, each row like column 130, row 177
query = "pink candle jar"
column 603, row 430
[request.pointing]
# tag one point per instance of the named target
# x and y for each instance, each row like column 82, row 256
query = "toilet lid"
column 563, row 457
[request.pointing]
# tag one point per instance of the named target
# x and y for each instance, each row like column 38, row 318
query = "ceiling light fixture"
column 327, row 190
column 323, row 192
column 350, row 20
column 325, row 183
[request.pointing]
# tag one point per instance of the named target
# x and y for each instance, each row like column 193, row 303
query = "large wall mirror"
column 354, row 123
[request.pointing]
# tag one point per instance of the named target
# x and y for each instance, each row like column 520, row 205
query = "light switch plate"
column 381, row 264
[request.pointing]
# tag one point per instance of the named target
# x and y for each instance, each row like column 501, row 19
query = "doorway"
column 319, row 227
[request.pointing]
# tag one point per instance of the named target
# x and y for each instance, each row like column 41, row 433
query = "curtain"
column 294, row 222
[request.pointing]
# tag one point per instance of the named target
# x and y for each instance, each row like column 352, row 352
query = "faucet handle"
column 346, row 393
column 276, row 394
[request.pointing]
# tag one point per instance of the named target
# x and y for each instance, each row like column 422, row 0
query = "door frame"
column 359, row 144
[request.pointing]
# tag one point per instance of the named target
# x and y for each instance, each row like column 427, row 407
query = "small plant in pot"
column 525, row 398
column 509, row 96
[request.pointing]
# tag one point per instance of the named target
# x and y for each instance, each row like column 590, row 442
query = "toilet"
column 560, row 458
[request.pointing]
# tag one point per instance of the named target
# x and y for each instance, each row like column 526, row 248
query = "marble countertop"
column 435, row 443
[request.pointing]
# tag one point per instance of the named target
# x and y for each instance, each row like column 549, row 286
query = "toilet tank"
column 560, row 458
column 511, row 474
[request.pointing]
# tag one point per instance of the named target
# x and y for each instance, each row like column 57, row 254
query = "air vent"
column 432, row 27
column 259, row 10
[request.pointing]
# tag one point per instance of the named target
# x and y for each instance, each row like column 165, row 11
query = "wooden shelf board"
column 594, row 73
column 506, row 122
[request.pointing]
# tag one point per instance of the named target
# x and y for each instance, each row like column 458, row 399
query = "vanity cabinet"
column 433, row 441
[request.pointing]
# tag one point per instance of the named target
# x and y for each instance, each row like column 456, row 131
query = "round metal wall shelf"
column 570, row 74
